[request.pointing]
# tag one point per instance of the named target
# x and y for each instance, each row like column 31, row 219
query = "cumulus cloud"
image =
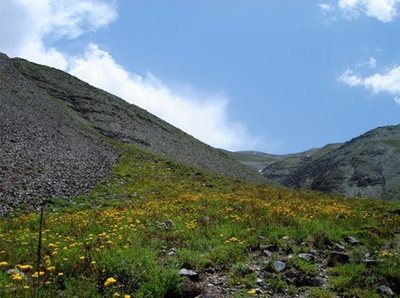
column 206, row 117
column 26, row 25
column 383, row 10
column 388, row 82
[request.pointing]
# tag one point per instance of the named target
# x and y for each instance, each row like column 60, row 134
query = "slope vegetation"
column 135, row 233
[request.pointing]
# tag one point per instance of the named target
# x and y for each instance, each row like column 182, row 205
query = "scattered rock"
column 259, row 281
column 191, row 289
column 267, row 253
column 386, row 291
column 15, row 271
column 210, row 270
column 370, row 262
column 278, row 266
column 336, row 258
column 168, row 224
column 306, row 256
column 300, row 279
column 351, row 240
column 192, row 275
column 172, row 252
column 203, row 220
column 339, row 247
column 270, row 247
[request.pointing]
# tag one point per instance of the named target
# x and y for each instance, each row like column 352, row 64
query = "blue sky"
column 275, row 76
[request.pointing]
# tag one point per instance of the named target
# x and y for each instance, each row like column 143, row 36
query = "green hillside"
column 133, row 234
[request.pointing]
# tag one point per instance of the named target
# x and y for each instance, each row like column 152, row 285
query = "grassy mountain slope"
column 365, row 166
column 153, row 217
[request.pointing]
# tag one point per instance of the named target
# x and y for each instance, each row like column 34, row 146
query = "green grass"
column 116, row 231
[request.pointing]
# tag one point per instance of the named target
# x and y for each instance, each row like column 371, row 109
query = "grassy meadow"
column 133, row 233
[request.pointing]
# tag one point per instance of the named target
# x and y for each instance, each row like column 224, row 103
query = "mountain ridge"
column 365, row 166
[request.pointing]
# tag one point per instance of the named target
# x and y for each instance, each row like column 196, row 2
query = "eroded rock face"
column 366, row 166
column 44, row 152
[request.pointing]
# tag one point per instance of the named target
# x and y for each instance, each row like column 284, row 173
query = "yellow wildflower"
column 252, row 292
column 3, row 264
column 25, row 267
column 110, row 281
column 16, row 277
column 37, row 274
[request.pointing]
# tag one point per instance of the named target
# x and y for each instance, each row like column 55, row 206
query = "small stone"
column 267, row 253
column 192, row 275
column 306, row 256
column 335, row 258
column 339, row 247
column 351, row 240
column 15, row 271
column 259, row 281
column 370, row 262
column 271, row 247
column 210, row 270
column 203, row 220
column 385, row 290
column 169, row 223
column 278, row 266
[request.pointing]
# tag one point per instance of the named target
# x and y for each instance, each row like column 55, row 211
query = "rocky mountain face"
column 52, row 128
column 367, row 166
column 255, row 159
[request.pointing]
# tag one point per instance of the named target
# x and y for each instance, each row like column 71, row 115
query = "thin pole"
column 39, row 250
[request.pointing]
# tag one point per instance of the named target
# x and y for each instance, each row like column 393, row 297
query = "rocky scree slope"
column 128, row 123
column 51, row 140
column 44, row 150
column 367, row 166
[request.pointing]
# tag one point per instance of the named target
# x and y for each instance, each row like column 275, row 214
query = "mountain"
column 367, row 166
column 55, row 131
column 255, row 159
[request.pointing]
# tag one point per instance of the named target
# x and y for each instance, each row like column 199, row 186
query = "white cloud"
column 204, row 118
column 370, row 63
column 325, row 7
column 383, row 10
column 388, row 82
column 26, row 25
